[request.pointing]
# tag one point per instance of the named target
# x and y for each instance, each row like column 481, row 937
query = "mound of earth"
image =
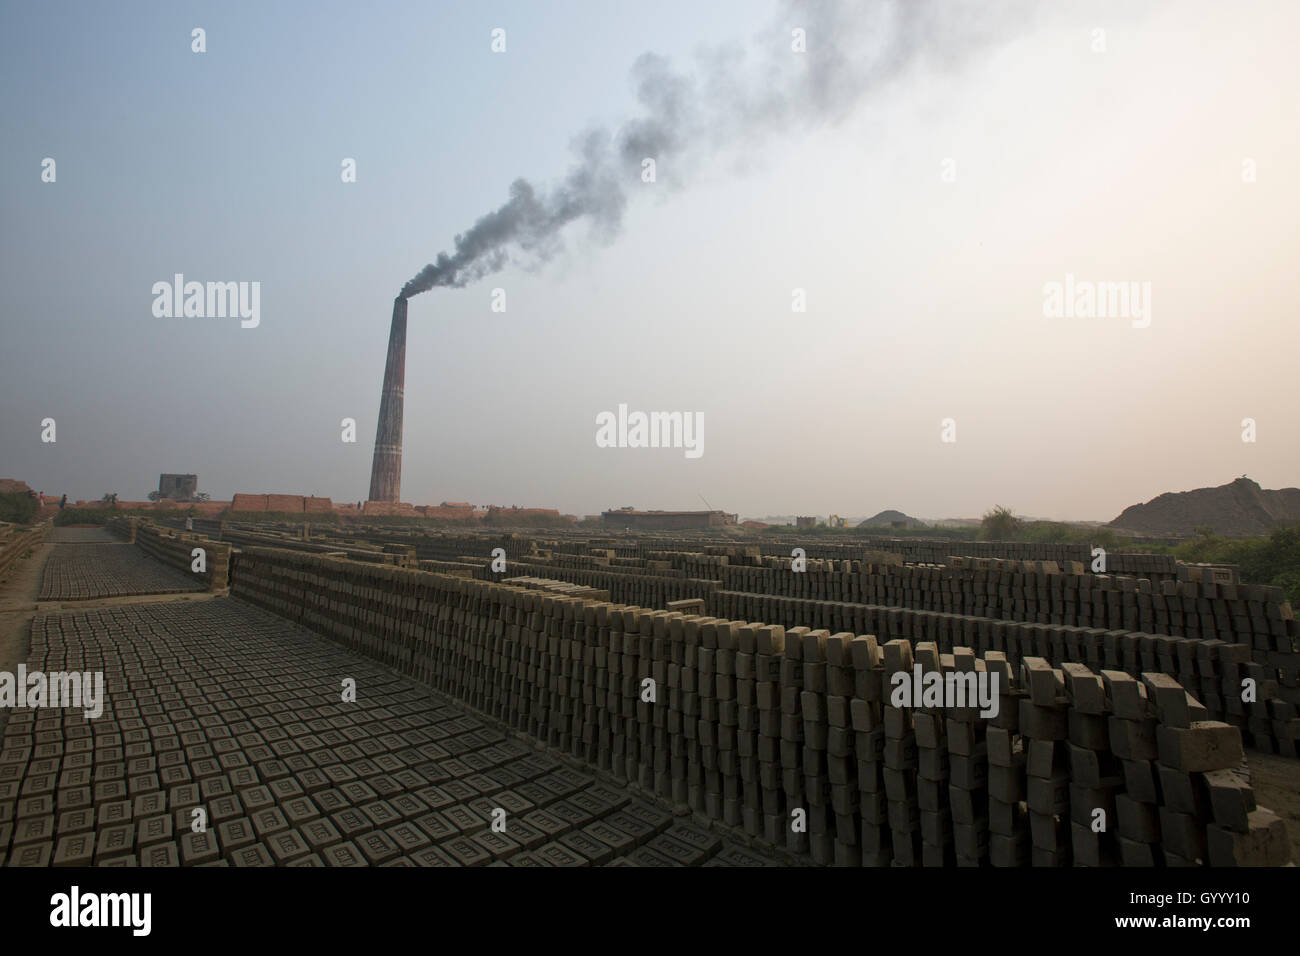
column 890, row 519
column 12, row 486
column 1239, row 509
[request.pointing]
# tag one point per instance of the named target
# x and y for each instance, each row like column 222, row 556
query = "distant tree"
column 202, row 496
column 154, row 496
column 999, row 524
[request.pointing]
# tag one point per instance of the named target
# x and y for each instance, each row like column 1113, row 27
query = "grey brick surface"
column 222, row 706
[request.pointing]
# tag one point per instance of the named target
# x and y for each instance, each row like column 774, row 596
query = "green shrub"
column 84, row 516
column 1000, row 524
column 17, row 507
column 1272, row 561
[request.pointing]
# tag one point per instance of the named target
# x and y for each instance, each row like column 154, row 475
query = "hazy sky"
column 922, row 223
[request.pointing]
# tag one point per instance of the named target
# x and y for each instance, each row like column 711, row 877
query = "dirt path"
column 17, row 608
column 1277, row 786
column 18, row 605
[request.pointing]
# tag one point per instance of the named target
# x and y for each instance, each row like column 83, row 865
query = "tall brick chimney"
column 386, row 469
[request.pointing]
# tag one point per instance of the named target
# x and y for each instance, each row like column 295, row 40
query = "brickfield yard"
column 363, row 695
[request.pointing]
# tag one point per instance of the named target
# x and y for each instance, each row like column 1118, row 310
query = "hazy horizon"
column 991, row 151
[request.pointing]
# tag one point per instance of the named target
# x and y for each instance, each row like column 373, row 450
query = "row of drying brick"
column 1248, row 614
column 793, row 734
column 1195, row 611
column 912, row 550
column 79, row 572
column 638, row 569
column 937, row 550
column 17, row 542
column 222, row 708
column 643, row 588
column 1214, row 669
column 1233, row 613
column 177, row 549
column 1270, row 718
column 563, row 588
column 1257, row 616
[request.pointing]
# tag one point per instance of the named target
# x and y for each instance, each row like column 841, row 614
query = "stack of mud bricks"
column 1185, row 797
column 770, row 795
column 933, row 770
column 938, row 551
column 1257, row 617
column 677, row 759
column 703, row 780
column 804, row 725
column 947, row 748
column 561, row 560
column 968, row 747
column 640, row 586
column 747, row 785
column 1205, row 604
column 867, row 724
column 16, row 542
column 450, row 547
column 932, row 550
column 1270, row 721
column 724, row 713
column 900, row 760
column 123, row 528
column 1008, row 820
column 177, row 550
column 829, row 740
column 542, row 584
column 676, row 755
column 457, row 569
column 403, row 555
column 692, row 563
column 1045, row 718
column 635, row 670
column 1077, row 766
column 790, row 690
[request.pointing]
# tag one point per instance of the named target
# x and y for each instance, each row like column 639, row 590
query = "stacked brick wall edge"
column 1215, row 667
column 177, row 549
column 16, row 541
column 1257, row 616
column 793, row 735
column 1043, row 606
column 931, row 551
column 938, row 550
column 1060, row 614
column 640, row 586
column 357, row 552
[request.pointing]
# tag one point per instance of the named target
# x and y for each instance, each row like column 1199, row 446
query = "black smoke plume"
column 731, row 100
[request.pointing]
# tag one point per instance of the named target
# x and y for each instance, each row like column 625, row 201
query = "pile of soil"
column 1240, row 509
column 890, row 519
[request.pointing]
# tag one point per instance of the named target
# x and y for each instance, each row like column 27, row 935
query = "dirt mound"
column 1239, row 509
column 890, row 519
column 12, row 486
